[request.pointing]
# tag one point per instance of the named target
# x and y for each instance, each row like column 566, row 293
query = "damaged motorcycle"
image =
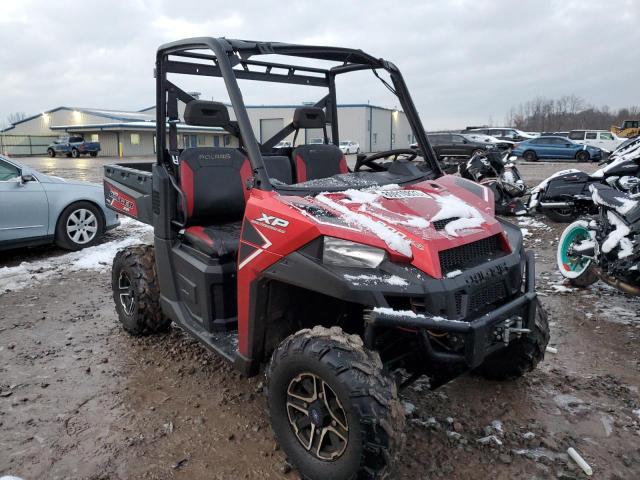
column 498, row 172
column 606, row 246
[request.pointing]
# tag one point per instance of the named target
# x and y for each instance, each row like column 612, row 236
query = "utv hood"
column 415, row 223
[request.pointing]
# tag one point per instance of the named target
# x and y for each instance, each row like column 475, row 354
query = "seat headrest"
column 206, row 113
column 308, row 117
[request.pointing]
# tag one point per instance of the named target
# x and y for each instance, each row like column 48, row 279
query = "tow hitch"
column 511, row 326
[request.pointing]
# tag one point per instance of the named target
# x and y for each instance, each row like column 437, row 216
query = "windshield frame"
column 186, row 57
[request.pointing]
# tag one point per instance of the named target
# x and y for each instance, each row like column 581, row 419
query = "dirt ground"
column 80, row 399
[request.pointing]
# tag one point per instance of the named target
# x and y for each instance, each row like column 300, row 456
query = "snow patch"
column 389, row 280
column 626, row 204
column 454, row 273
column 98, row 258
column 614, row 238
column 452, row 207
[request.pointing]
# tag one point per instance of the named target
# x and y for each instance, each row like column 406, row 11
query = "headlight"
column 343, row 253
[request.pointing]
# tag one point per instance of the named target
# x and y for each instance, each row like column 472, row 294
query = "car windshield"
column 315, row 141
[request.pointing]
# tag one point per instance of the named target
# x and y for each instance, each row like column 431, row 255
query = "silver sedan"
column 38, row 209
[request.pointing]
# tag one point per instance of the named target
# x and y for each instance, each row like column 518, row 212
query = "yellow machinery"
column 628, row 129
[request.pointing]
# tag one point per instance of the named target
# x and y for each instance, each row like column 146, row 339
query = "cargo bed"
column 128, row 189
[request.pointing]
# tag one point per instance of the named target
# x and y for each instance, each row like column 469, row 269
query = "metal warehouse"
column 132, row 133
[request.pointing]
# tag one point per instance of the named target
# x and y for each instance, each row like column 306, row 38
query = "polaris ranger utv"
column 341, row 283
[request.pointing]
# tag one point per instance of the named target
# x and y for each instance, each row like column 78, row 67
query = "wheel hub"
column 317, row 417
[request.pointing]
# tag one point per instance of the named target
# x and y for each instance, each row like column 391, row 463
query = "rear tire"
column 583, row 156
column 358, row 395
column 521, row 355
column 93, row 154
column 135, row 291
column 51, row 152
column 561, row 215
column 530, row 156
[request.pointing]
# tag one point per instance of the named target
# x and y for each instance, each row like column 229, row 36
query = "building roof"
column 121, row 115
column 131, row 126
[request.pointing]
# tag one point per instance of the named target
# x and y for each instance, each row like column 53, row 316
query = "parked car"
column 556, row 147
column 482, row 138
column 502, row 133
column 39, row 209
column 73, row 146
column 602, row 139
column 348, row 146
column 456, row 145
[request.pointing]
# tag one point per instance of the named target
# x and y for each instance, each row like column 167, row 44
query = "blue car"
column 37, row 209
column 556, row 148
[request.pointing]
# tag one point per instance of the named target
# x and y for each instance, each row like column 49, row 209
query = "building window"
column 202, row 140
column 95, row 137
column 375, row 138
column 227, row 140
column 135, row 139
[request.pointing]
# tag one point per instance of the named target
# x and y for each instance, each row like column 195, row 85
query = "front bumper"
column 479, row 333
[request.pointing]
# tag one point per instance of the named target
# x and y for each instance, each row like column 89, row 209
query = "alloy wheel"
column 82, row 226
column 126, row 293
column 317, row 417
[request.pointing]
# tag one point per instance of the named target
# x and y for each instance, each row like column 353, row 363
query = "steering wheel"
column 369, row 160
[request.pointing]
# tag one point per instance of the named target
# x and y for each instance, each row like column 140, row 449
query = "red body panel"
column 285, row 226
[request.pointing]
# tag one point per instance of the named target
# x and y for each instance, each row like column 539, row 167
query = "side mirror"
column 27, row 177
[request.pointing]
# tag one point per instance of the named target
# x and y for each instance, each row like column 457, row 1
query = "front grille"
column 470, row 254
column 486, row 296
column 440, row 224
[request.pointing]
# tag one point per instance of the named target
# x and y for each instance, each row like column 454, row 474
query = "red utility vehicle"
column 336, row 280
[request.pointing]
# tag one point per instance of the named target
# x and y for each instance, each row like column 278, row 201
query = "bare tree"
column 566, row 113
column 16, row 117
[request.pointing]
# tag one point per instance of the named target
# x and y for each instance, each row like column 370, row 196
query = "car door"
column 543, row 147
column 564, row 148
column 25, row 210
column 436, row 142
column 606, row 141
column 460, row 146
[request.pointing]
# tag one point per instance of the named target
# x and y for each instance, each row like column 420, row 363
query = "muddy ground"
column 79, row 399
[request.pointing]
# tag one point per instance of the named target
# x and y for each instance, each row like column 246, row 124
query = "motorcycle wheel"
column 561, row 215
column 577, row 269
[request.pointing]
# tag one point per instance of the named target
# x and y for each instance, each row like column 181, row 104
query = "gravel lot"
column 79, row 399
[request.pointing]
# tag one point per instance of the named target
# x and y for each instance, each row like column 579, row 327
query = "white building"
column 132, row 133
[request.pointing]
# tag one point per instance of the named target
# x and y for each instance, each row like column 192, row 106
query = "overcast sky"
column 466, row 62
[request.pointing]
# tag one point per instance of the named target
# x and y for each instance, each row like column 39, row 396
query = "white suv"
column 602, row 139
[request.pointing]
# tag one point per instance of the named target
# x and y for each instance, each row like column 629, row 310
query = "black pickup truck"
column 452, row 148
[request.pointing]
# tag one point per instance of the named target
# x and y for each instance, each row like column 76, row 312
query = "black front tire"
column 136, row 292
column 367, row 395
column 566, row 215
column 75, row 153
column 51, row 152
column 530, row 156
column 521, row 355
column 93, row 154
column 583, row 156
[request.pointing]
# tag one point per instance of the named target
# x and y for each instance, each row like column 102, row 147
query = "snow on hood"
column 393, row 214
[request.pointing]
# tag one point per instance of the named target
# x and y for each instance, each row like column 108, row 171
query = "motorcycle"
column 607, row 247
column 565, row 195
column 497, row 171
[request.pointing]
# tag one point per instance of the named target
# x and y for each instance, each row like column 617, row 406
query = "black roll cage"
column 228, row 53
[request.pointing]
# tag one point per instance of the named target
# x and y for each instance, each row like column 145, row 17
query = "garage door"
column 269, row 127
